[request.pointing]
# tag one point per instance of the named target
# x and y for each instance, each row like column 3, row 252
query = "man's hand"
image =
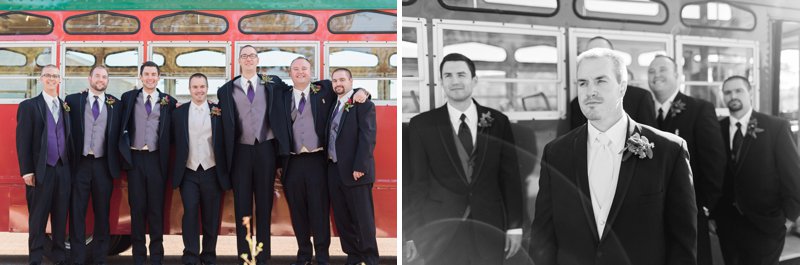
column 361, row 96
column 278, row 173
column 513, row 243
column 411, row 250
column 29, row 179
column 357, row 175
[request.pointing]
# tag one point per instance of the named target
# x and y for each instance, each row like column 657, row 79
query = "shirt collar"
column 253, row 79
column 347, row 96
column 667, row 104
column 297, row 92
column 90, row 96
column 745, row 120
column 48, row 98
column 616, row 133
column 471, row 112
column 153, row 96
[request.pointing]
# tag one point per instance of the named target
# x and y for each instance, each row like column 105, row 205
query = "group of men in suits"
column 614, row 189
column 71, row 150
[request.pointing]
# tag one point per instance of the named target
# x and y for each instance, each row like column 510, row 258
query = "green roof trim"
column 110, row 5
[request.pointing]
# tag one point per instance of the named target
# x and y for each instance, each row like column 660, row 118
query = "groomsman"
column 250, row 146
column 306, row 108
column 351, row 171
column 95, row 134
column 762, row 181
column 43, row 150
column 144, row 144
column 695, row 121
column 200, row 170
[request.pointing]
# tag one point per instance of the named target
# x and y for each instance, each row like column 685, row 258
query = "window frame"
column 69, row 44
column 422, row 58
column 659, row 2
column 755, row 18
column 52, row 27
column 190, row 44
column 46, row 44
column 227, row 24
column 138, row 23
column 328, row 24
column 611, row 35
column 439, row 25
column 365, row 44
column 681, row 40
column 500, row 11
column 239, row 23
column 259, row 44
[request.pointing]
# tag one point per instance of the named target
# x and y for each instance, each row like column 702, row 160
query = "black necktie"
column 737, row 142
column 465, row 135
column 660, row 118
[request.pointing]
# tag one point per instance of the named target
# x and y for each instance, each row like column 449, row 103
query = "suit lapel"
column 445, row 129
column 314, row 97
column 185, row 121
column 162, row 113
column 289, row 103
column 581, row 176
column 748, row 140
column 626, row 170
column 81, row 109
column 344, row 111
column 481, row 142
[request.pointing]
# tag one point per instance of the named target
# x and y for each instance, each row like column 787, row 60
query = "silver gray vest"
column 94, row 131
column 303, row 129
column 252, row 115
column 146, row 125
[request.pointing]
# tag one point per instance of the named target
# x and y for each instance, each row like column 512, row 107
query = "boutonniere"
column 486, row 120
column 348, row 104
column 752, row 128
column 164, row 101
column 66, row 106
column 110, row 101
column 216, row 111
column 315, row 89
column 265, row 79
column 677, row 107
column 638, row 145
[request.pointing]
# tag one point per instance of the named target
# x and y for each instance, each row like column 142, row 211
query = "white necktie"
column 54, row 109
column 601, row 177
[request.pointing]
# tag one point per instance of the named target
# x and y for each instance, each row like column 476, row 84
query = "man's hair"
column 457, row 57
column 618, row 61
column 601, row 38
column 99, row 66
column 48, row 66
column 674, row 64
column 198, row 75
column 301, row 58
column 149, row 64
column 739, row 77
column 247, row 46
column 349, row 74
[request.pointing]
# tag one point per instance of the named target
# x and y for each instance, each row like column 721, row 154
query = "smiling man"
column 613, row 191
column 465, row 186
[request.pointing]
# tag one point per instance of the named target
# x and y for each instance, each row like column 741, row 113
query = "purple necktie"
column 147, row 106
column 302, row 104
column 251, row 93
column 95, row 108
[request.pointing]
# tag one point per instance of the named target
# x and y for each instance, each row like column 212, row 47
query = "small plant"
column 254, row 248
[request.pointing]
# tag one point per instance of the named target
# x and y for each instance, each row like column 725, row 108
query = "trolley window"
column 21, row 23
column 363, row 22
column 275, row 58
column 101, row 23
column 278, row 22
column 189, row 22
column 20, row 66
column 370, row 63
column 520, row 7
column 178, row 61
column 415, row 64
column 642, row 11
column 718, row 15
column 121, row 59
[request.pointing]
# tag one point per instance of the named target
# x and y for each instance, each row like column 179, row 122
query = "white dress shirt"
column 296, row 92
column 49, row 100
column 343, row 100
column 101, row 98
column 664, row 106
column 471, row 120
column 745, row 120
column 243, row 83
column 153, row 98
column 603, row 190
column 201, row 147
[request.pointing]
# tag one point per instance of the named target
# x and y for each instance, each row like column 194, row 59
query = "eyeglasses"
column 248, row 56
column 51, row 76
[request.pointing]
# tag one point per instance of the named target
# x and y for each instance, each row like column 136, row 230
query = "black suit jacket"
column 32, row 136
column 322, row 102
column 180, row 130
column 230, row 115
column 767, row 178
column 128, row 128
column 113, row 117
column 355, row 142
column 697, row 124
column 439, row 189
column 653, row 214
column 637, row 102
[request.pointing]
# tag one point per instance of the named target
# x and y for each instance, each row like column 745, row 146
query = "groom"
column 607, row 200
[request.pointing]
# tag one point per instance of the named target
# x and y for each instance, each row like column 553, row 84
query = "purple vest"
column 303, row 130
column 146, row 125
column 252, row 116
column 94, row 131
column 56, row 143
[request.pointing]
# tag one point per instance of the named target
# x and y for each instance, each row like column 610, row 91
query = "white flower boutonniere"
column 486, row 120
column 266, row 79
column 638, row 145
column 752, row 128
